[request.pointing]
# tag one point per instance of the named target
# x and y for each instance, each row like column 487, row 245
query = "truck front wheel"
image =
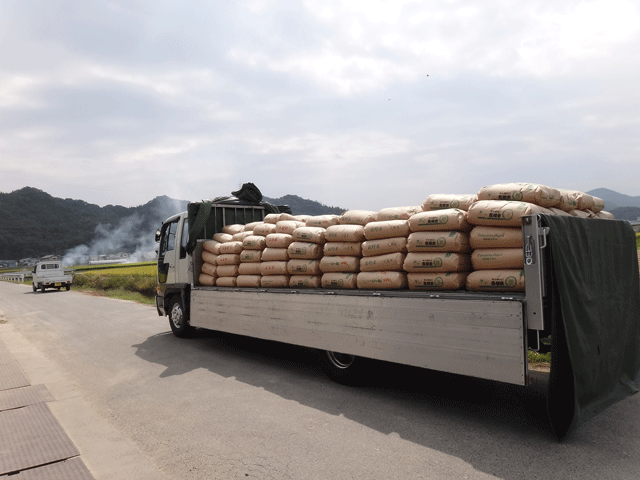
column 343, row 368
column 178, row 318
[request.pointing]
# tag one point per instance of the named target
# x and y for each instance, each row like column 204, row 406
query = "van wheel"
column 35, row 288
column 42, row 288
column 178, row 318
column 343, row 368
column 68, row 287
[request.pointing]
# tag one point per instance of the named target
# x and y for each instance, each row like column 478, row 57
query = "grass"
column 535, row 357
column 131, row 281
column 638, row 241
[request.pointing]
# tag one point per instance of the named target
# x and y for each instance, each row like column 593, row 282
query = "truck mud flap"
column 595, row 313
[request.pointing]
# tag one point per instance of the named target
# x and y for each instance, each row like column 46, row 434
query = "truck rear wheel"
column 35, row 287
column 343, row 368
column 42, row 288
column 178, row 318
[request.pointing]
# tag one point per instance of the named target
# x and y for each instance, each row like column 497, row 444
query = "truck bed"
column 466, row 333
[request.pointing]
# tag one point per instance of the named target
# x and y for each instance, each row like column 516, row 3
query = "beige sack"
column 437, row 220
column 582, row 214
column 303, row 267
column 383, row 246
column 226, row 281
column 288, row 226
column 382, row 263
column 522, row 192
column 339, row 264
column 446, row 201
column 444, row 241
column 436, row 262
column 397, row 213
column 227, row 270
column 305, row 281
column 264, row 229
column 382, row 280
column 350, row 249
column 278, row 240
column 223, row 237
column 322, row 221
column 205, row 279
column 209, row 257
column 496, row 280
column 211, row 246
column 248, row 281
column 386, row 229
column 575, row 200
column 598, row 204
column 275, row 255
column 250, row 226
column 357, row 217
column 231, row 247
column 275, row 281
column 273, row 268
column 272, row 218
column 558, row 211
column 251, row 256
column 496, row 213
column 285, row 217
column 254, row 242
column 339, row 280
column 495, row 237
column 605, row 215
column 209, row 269
column 437, row 281
column 344, row 233
column 309, row 251
column 497, row 259
column 252, row 268
column 233, row 229
column 309, row 234
column 228, row 259
column 240, row 236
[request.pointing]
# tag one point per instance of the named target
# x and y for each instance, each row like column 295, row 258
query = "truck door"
column 167, row 253
column 172, row 255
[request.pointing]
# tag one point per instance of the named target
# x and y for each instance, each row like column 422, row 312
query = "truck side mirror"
column 158, row 235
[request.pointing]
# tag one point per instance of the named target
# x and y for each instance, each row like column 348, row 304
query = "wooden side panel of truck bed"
column 482, row 338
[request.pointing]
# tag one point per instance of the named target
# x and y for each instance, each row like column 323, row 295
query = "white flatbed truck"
column 483, row 335
column 51, row 274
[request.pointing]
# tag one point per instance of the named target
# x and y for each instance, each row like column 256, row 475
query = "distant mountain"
column 34, row 224
column 626, row 213
column 614, row 200
column 302, row 206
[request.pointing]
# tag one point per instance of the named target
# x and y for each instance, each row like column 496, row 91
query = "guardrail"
column 17, row 277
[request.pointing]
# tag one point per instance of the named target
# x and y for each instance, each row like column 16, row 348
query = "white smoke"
column 128, row 237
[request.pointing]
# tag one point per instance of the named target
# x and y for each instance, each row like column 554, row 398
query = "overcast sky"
column 358, row 104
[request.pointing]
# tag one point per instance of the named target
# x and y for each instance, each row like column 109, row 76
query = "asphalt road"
column 219, row 406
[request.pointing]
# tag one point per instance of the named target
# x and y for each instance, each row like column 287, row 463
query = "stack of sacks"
column 251, row 259
column 276, row 255
column 385, row 248
column 438, row 249
column 342, row 252
column 305, row 253
column 583, row 205
column 228, row 258
column 498, row 257
column 210, row 254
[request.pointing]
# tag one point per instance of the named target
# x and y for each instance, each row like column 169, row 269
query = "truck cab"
column 173, row 265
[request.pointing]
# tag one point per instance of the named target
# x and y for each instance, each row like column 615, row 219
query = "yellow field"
column 148, row 268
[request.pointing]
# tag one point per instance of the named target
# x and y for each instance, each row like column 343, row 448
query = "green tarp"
column 595, row 309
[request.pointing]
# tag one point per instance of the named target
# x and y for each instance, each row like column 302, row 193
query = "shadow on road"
column 500, row 429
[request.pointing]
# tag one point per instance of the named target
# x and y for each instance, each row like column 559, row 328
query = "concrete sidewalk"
column 48, row 430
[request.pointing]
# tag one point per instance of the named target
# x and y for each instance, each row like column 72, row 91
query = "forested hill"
column 34, row 223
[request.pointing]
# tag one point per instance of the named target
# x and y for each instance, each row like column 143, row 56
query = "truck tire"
column 42, row 288
column 343, row 368
column 179, row 318
column 35, row 287
column 68, row 287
